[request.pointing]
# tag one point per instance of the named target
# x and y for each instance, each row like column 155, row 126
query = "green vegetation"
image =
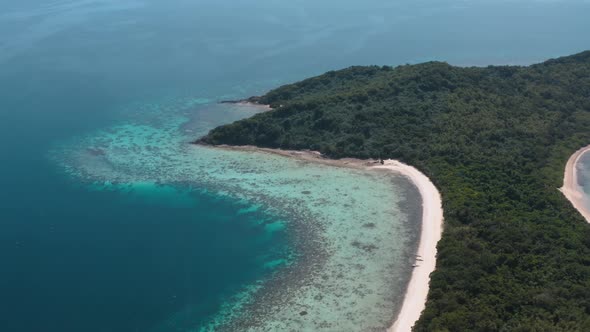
column 515, row 255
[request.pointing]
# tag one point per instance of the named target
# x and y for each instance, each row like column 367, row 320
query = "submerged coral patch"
column 352, row 237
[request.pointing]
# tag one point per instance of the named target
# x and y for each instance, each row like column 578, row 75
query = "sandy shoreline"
column 431, row 230
column 432, row 226
column 571, row 189
column 246, row 103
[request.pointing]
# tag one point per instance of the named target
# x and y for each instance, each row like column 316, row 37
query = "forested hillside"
column 515, row 255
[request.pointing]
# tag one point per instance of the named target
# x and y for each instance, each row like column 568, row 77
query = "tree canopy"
column 515, row 255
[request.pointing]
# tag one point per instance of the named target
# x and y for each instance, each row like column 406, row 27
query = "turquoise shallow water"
column 352, row 232
column 110, row 221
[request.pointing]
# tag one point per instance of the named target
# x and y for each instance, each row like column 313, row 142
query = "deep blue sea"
column 76, row 259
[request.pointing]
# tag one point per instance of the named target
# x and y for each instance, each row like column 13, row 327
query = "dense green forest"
column 515, row 255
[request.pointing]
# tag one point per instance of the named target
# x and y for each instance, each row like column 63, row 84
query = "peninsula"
column 514, row 254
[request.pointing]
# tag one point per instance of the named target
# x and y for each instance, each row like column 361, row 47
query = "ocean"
column 112, row 221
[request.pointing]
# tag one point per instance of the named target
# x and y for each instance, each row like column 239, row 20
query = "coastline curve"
column 571, row 188
column 415, row 296
column 431, row 232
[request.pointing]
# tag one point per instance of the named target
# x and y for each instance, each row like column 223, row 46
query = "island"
column 515, row 253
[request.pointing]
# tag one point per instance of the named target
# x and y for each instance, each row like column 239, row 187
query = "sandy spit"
column 431, row 230
column 571, row 189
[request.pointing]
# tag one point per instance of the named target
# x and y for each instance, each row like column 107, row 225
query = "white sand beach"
column 432, row 226
column 245, row 103
column 571, row 189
